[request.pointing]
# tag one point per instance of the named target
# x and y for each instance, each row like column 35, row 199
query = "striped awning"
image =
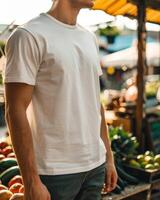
column 129, row 8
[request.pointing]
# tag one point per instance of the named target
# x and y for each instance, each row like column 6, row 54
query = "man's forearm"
column 21, row 137
column 105, row 135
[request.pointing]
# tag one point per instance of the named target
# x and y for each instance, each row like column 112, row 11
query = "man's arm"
column 18, row 96
column 111, row 175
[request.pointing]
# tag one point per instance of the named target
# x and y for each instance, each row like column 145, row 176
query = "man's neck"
column 64, row 12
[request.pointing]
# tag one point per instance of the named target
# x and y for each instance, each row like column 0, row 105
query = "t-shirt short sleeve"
column 22, row 58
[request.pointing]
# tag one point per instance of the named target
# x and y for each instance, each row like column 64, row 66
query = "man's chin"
column 86, row 4
column 89, row 5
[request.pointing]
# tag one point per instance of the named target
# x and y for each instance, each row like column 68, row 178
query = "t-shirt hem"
column 56, row 171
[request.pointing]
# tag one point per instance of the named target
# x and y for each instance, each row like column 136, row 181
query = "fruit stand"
column 11, row 184
column 138, row 174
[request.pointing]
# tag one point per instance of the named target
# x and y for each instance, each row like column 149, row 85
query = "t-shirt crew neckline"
column 59, row 22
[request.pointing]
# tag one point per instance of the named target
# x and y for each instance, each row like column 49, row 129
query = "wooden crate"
column 152, row 177
column 148, row 176
column 138, row 192
column 155, row 190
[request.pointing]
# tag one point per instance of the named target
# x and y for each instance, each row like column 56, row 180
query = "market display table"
column 155, row 190
column 139, row 192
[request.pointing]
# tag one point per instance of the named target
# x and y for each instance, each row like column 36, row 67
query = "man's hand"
column 111, row 177
column 36, row 192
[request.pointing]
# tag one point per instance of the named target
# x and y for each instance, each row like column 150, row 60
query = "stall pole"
column 141, row 15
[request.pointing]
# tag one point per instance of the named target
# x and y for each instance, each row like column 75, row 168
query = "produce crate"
column 155, row 195
column 138, row 192
column 149, row 176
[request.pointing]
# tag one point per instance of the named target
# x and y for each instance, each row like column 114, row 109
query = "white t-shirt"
column 62, row 63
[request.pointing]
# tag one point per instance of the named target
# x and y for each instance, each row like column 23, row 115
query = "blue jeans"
column 79, row 186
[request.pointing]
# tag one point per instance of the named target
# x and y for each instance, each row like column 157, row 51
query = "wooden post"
column 141, row 64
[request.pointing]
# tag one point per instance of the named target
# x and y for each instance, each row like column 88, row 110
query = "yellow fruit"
column 157, row 158
column 140, row 158
column 143, row 164
column 149, row 159
column 149, row 166
column 134, row 163
column 17, row 196
column 149, row 153
column 157, row 165
column 5, row 194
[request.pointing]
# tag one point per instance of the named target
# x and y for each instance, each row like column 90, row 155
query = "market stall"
column 138, row 174
column 144, row 11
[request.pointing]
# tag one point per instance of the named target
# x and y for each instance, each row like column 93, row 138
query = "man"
column 53, row 109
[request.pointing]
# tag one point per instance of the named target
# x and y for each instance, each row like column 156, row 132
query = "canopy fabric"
column 128, row 57
column 126, row 8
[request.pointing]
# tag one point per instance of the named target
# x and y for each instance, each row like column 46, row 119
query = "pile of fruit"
column 11, row 184
column 124, row 144
column 147, row 161
column 125, row 148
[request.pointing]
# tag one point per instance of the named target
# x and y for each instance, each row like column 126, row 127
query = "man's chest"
column 72, row 55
